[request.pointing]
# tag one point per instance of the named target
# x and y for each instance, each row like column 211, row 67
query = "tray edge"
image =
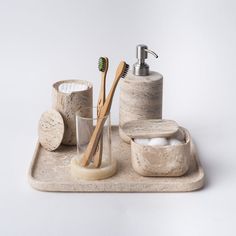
column 55, row 187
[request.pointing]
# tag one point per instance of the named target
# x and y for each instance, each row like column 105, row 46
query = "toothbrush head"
column 126, row 69
column 122, row 70
column 102, row 64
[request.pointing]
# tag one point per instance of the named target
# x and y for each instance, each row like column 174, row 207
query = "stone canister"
column 68, row 97
column 170, row 160
column 140, row 93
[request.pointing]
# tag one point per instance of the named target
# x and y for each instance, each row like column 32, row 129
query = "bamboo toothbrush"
column 103, row 64
column 120, row 72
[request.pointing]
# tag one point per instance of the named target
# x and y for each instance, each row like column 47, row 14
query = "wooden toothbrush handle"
column 102, row 94
column 91, row 148
column 97, row 159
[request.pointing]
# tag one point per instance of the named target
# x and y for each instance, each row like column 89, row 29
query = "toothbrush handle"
column 97, row 159
column 102, row 94
column 91, row 148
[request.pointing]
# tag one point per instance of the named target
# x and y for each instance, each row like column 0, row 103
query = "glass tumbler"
column 86, row 120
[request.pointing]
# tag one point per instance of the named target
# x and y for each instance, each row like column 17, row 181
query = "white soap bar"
column 72, row 87
column 141, row 141
column 158, row 142
column 174, row 141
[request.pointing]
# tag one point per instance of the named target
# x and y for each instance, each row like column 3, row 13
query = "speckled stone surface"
column 68, row 104
column 51, row 130
column 50, row 171
column 140, row 97
column 168, row 160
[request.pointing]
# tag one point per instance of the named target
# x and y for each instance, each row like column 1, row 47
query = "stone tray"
column 50, row 171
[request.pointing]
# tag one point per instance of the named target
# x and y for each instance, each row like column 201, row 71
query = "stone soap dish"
column 51, row 171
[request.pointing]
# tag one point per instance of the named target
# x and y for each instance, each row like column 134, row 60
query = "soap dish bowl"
column 168, row 152
column 169, row 160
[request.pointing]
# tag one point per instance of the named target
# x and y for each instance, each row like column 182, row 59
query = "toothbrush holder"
column 86, row 119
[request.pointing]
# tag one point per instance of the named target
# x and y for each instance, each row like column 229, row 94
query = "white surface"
column 45, row 41
column 72, row 87
column 142, row 141
column 158, row 141
column 174, row 141
column 152, row 141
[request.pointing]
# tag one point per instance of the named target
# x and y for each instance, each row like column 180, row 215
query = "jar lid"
column 51, row 130
column 152, row 128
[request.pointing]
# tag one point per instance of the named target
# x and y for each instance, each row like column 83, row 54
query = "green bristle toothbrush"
column 103, row 64
column 121, row 71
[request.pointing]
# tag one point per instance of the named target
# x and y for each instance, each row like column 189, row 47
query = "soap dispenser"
column 140, row 92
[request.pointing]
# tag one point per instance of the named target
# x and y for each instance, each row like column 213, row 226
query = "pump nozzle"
column 151, row 52
column 140, row 67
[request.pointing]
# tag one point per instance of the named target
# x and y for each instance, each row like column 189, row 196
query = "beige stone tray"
column 50, row 171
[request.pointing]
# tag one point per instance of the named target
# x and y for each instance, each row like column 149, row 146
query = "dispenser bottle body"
column 140, row 98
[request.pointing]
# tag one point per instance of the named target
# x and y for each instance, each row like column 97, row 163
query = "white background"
column 45, row 41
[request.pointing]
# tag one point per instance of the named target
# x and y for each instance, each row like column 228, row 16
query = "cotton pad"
column 72, row 87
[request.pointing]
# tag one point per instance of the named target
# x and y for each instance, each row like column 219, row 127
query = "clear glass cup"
column 86, row 120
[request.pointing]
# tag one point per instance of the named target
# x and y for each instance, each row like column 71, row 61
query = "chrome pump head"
column 140, row 67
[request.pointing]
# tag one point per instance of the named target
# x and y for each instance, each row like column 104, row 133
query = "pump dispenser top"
column 141, row 68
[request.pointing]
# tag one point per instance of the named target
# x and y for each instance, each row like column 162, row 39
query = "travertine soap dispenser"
column 140, row 92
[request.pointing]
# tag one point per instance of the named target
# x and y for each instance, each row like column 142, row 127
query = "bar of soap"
column 174, row 141
column 158, row 142
column 72, row 87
